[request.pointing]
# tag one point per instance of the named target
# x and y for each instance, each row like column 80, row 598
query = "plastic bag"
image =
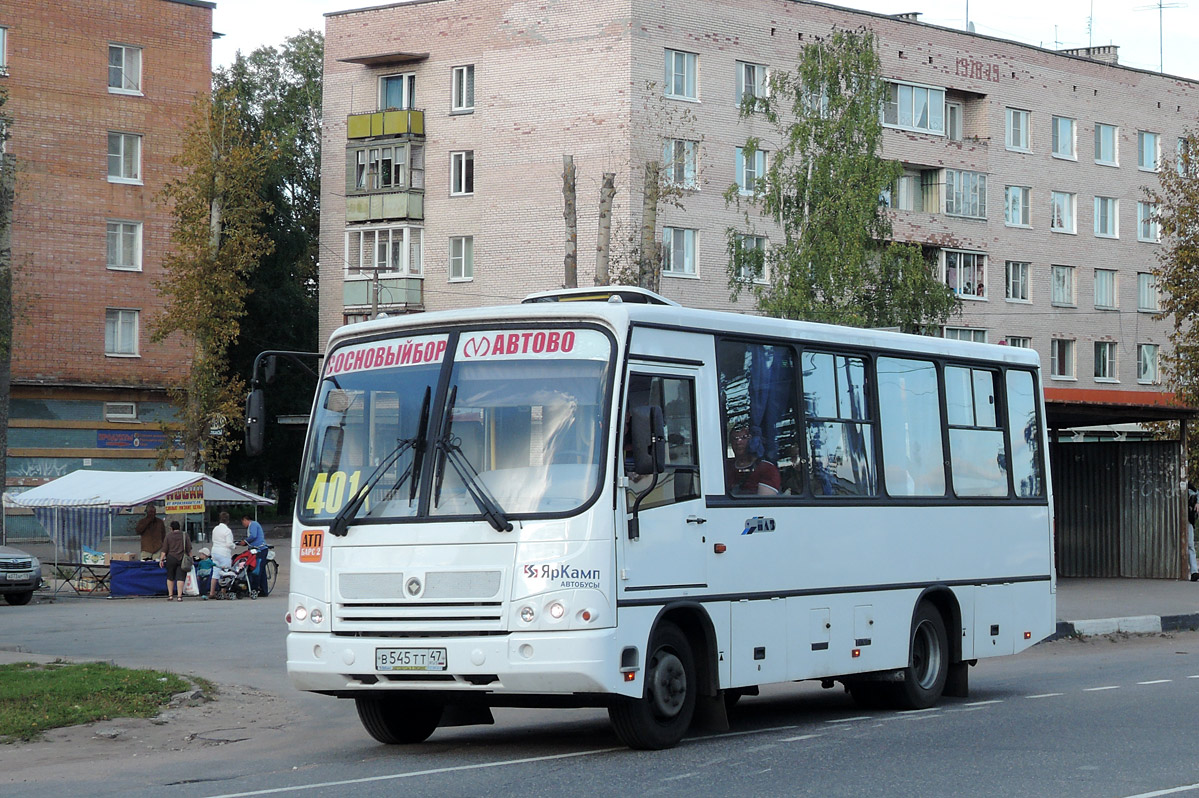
column 190, row 586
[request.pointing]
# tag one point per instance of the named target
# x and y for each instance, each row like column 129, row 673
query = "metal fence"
column 1119, row 509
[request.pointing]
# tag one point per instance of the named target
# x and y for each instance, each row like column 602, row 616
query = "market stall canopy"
column 128, row 489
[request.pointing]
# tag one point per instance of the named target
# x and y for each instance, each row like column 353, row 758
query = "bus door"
column 668, row 551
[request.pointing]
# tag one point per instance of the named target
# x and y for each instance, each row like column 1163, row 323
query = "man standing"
column 256, row 540
column 151, row 530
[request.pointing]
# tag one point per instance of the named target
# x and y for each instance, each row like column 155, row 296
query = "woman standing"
column 222, row 553
column 175, row 547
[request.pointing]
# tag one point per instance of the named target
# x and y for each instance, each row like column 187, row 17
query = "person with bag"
column 176, row 558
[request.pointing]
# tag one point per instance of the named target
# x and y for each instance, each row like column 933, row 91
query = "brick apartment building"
column 99, row 91
column 445, row 123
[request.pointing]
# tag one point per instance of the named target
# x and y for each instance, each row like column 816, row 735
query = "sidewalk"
column 1104, row 606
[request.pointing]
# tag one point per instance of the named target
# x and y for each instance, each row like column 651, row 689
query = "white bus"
column 655, row 509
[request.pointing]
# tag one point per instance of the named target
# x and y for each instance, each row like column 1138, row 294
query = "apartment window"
column 462, row 91
column 1107, row 217
column 462, row 258
column 1148, row 227
column 1016, row 280
column 1183, row 153
column 680, row 75
column 1016, row 206
column 1105, row 289
column 125, row 246
column 751, row 81
column 1105, row 361
column 1147, row 295
column 751, row 265
column 1017, row 129
column 965, row 273
column 1148, row 150
column 3, row 50
column 120, row 332
column 1019, row 341
column 390, row 251
column 124, row 158
column 954, row 120
column 120, row 411
column 1062, row 133
column 915, row 191
column 972, row 334
column 1062, row 288
column 1062, row 219
column 397, row 91
column 1106, row 152
column 355, row 318
column 1061, row 358
column 966, row 194
column 124, row 69
column 680, row 251
column 462, row 173
column 751, row 166
column 385, row 168
column 914, row 107
column 1147, row 364
column 681, row 158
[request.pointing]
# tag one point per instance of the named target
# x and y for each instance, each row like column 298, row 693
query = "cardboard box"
column 125, row 557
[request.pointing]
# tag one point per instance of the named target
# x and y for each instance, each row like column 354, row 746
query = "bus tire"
column 928, row 661
column 661, row 717
column 397, row 721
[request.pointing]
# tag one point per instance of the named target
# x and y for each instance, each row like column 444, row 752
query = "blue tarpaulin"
column 137, row 578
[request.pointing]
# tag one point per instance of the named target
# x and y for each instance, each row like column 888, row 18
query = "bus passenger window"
column 977, row 457
column 763, row 453
column 1027, row 470
column 840, row 431
column 910, row 421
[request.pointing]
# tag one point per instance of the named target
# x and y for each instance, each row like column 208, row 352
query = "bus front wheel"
column 398, row 721
column 661, row 717
column 928, row 661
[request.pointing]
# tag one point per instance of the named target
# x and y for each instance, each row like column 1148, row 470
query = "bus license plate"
column 410, row 659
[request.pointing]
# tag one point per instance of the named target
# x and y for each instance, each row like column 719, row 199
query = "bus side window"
column 977, row 457
column 910, row 422
column 763, row 452
column 839, row 428
column 1027, row 469
column 676, row 397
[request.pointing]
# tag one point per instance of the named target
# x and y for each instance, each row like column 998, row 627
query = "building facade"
column 445, row 123
column 98, row 93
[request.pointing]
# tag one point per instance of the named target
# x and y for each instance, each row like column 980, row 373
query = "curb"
column 1136, row 624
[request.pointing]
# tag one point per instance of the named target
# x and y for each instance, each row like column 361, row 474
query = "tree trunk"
column 603, row 244
column 8, row 173
column 650, row 259
column 571, row 262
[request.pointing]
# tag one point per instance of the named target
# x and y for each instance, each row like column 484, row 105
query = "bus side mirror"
column 649, row 440
column 255, row 422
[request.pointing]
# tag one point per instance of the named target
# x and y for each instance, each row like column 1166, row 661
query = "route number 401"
column 330, row 491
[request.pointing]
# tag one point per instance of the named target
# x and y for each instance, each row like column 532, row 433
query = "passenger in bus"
column 746, row 474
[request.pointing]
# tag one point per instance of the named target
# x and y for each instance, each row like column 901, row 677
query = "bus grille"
column 434, row 602
column 427, row 618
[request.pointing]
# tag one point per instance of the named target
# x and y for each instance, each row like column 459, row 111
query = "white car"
column 20, row 575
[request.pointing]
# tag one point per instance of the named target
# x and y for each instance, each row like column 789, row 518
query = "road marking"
column 1097, row 689
column 800, row 737
column 1157, row 681
column 1196, row 676
column 1170, row 791
column 983, row 703
column 1044, row 695
column 849, row 720
column 415, row 773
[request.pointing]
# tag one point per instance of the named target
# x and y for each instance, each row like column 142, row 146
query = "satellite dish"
column 970, row 27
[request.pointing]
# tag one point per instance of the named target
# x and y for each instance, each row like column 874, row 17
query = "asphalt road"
column 1101, row 717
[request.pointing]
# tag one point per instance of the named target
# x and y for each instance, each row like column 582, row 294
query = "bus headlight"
column 317, row 616
column 527, row 614
column 301, row 612
column 557, row 610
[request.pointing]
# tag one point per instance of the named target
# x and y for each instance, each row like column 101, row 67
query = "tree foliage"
column 822, row 187
column 279, row 90
column 1177, row 274
column 217, row 242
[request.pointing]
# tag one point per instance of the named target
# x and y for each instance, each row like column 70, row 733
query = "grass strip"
column 35, row 698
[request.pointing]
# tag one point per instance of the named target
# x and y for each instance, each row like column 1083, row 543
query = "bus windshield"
column 522, row 428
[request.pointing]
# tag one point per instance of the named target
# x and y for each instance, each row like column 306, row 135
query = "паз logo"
column 477, row 346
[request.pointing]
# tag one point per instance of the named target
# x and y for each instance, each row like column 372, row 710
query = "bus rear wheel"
column 928, row 661
column 661, row 717
column 398, row 721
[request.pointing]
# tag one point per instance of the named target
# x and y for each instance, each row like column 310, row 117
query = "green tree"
column 836, row 261
column 279, row 90
column 1177, row 272
column 217, row 242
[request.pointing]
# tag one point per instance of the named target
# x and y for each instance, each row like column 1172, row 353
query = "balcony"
column 385, row 123
column 382, row 207
column 395, row 293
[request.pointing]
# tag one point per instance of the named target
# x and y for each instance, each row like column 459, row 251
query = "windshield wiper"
column 340, row 524
column 450, row 448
